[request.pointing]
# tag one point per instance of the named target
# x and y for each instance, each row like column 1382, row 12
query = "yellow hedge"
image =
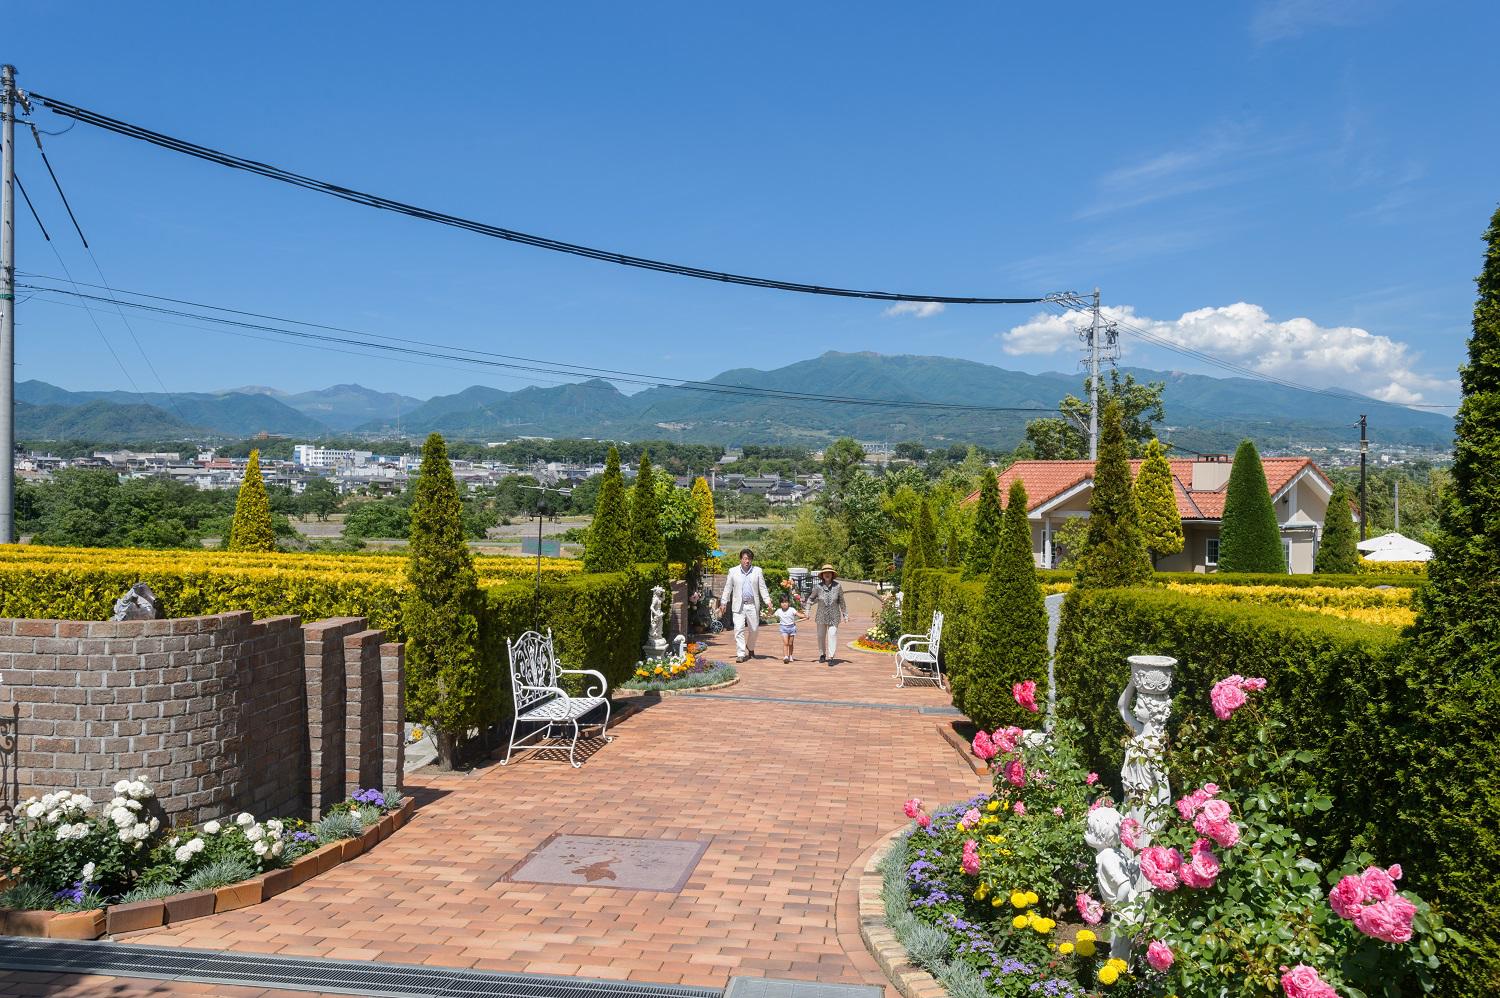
column 1387, row 607
column 1391, row 567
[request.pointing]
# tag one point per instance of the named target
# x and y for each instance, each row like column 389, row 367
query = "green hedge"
column 1303, row 581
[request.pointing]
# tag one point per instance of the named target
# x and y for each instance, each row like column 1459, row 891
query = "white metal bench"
column 917, row 655
column 540, row 699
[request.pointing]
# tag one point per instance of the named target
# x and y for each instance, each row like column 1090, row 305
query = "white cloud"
column 1296, row 349
column 1275, row 20
column 918, row 309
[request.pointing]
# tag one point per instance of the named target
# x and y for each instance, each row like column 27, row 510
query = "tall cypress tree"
column 953, row 550
column 1014, row 628
column 251, row 529
column 646, row 541
column 708, row 530
column 448, row 685
column 916, row 544
column 1116, row 554
column 1161, row 522
column 1249, row 537
column 986, row 527
column 1448, row 766
column 1337, row 553
column 609, row 547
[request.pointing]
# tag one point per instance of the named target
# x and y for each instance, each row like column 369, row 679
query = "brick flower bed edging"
column 963, row 748
column 176, row 908
column 909, row 979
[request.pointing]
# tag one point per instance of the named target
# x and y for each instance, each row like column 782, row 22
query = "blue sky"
column 1299, row 187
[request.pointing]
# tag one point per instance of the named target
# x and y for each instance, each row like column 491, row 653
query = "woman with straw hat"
column 827, row 597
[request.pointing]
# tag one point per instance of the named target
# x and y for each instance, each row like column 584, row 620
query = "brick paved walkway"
column 790, row 795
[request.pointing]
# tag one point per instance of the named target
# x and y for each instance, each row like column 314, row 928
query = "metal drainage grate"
column 386, row 980
column 749, row 698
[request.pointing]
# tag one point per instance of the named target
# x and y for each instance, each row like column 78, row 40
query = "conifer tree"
column 1249, row 536
column 932, row 552
column 1156, row 500
column 708, row 530
column 646, row 541
column 1449, row 759
column 916, row 547
column 986, row 527
column 1337, row 552
column 251, row 529
column 953, row 550
column 448, row 686
column 1116, row 554
column 609, row 547
column 1013, row 638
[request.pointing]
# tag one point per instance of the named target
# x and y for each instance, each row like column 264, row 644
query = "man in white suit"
column 745, row 592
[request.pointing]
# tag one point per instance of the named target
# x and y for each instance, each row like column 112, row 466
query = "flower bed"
column 981, row 893
column 867, row 643
column 79, row 871
column 692, row 672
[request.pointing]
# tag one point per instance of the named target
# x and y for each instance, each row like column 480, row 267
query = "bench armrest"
column 911, row 640
column 603, row 687
column 546, row 689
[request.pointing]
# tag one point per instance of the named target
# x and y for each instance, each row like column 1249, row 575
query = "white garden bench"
column 917, row 655
column 540, row 699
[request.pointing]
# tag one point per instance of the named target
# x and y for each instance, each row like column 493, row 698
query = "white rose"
column 151, row 826
column 4, row 827
column 174, row 840
column 81, row 802
column 139, row 789
column 196, row 845
column 276, row 849
column 122, row 817
column 183, row 854
column 260, row 848
column 255, row 833
column 212, row 828
column 52, row 816
column 122, row 787
column 134, row 805
column 88, row 872
column 35, row 810
column 275, row 826
column 245, row 819
column 118, row 802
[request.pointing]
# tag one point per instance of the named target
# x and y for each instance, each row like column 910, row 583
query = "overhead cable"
column 483, row 228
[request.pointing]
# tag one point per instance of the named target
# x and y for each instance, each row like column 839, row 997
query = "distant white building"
column 326, row 458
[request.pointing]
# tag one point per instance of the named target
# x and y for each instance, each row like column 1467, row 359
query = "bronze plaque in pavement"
column 610, row 861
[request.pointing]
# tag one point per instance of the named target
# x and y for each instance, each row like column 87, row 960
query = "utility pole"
column 1397, row 527
column 1094, row 381
column 1364, row 449
column 8, row 102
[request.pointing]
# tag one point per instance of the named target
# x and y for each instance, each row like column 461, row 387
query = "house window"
column 1211, row 551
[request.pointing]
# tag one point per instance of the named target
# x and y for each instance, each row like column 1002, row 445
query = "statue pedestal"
column 654, row 649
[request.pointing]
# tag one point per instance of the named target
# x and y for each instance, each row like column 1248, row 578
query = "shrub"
column 646, row 541
column 252, row 529
column 220, row 873
column 448, row 686
column 1396, row 568
column 986, row 527
column 1337, row 553
column 1249, row 537
column 1116, row 551
column 609, row 546
column 1161, row 523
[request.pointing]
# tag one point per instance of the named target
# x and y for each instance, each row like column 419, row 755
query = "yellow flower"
column 1017, row 899
column 1108, row 974
column 1031, row 897
column 1019, row 921
column 1085, row 947
column 992, row 806
column 994, row 840
column 1065, row 948
column 1086, row 935
column 1118, row 964
column 961, row 827
column 996, row 902
column 989, row 819
column 1044, row 925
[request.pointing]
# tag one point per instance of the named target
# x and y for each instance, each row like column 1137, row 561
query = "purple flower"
column 304, row 837
column 371, row 797
column 73, row 895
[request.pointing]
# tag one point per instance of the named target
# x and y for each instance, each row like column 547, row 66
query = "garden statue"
column 138, row 603
column 1143, row 777
column 681, row 654
column 656, row 643
column 1114, row 869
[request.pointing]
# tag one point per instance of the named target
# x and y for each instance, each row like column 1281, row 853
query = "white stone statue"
column 1114, row 870
column 656, row 644
column 681, row 643
column 1143, row 777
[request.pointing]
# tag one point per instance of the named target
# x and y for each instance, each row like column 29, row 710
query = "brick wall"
column 221, row 713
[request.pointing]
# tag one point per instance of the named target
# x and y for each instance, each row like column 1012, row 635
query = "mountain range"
column 1204, row 413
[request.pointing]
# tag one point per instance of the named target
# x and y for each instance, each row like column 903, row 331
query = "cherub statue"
column 1113, row 868
column 1143, row 777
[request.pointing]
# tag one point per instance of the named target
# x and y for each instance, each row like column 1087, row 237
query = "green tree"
column 841, row 462
column 646, row 541
column 1337, row 553
column 1014, row 625
column 703, row 503
column 320, row 498
column 1070, row 542
column 953, row 547
column 609, row 547
column 864, row 525
column 916, row 547
column 1249, row 537
column 448, row 685
column 986, row 528
column 1116, row 551
column 1448, row 761
column 383, row 518
column 252, row 529
column 1056, row 439
column 1161, row 522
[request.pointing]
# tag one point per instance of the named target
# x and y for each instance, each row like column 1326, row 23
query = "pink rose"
column 1128, row 829
column 924, row 820
column 1091, row 779
column 1225, row 833
column 1388, row 920
column 1025, row 694
column 1159, row 955
column 971, row 817
column 1191, row 804
column 1089, row 910
column 1100, row 802
column 1227, row 696
column 1347, row 896
column 912, row 807
column 1215, row 810
column 1254, row 685
column 1057, row 812
column 1378, row 883
column 1019, row 809
column 1160, row 867
column 1006, row 739
column 1015, row 773
column 1203, row 868
column 1303, row 981
column 1394, row 871
column 983, row 747
column 971, row 857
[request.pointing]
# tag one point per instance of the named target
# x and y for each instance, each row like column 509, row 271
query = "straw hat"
column 828, row 570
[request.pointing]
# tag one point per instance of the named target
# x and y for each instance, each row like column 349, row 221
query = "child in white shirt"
column 788, row 615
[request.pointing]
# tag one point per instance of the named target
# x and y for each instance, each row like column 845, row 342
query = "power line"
column 485, row 359
column 485, row 229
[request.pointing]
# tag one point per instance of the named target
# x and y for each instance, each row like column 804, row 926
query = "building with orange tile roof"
column 1060, row 490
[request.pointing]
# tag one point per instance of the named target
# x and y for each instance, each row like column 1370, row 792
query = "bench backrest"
column 935, row 636
column 532, row 663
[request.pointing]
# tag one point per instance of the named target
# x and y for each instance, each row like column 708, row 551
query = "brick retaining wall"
column 221, row 713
